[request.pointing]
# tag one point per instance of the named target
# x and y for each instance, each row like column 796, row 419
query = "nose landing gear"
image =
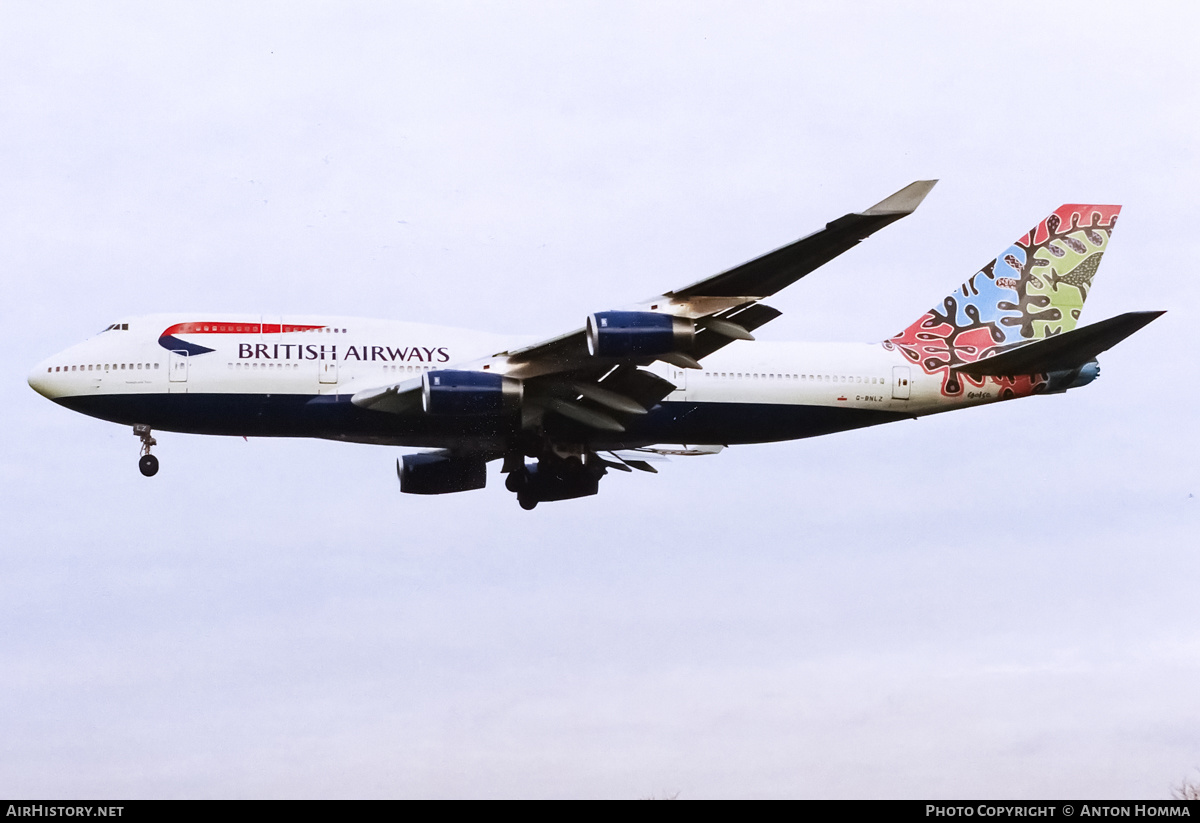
column 148, row 464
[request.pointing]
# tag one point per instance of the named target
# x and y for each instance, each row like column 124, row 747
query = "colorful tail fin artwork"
column 1032, row 290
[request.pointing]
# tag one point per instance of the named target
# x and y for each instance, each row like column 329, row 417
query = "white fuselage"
column 259, row 375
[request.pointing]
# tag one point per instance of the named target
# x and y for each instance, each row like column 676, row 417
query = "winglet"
column 904, row 201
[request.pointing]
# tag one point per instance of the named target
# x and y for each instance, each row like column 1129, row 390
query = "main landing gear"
column 148, row 464
column 554, row 477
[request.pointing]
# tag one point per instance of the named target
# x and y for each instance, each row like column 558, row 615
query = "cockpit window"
column 117, row 327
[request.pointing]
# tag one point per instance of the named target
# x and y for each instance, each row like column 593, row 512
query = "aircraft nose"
column 39, row 380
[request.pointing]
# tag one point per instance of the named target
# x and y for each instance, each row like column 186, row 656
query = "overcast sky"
column 999, row 602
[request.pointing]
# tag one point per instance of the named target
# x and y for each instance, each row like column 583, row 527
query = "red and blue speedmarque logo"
column 170, row 341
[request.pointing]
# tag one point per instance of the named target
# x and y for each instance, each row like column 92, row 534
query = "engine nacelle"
column 637, row 333
column 1060, row 381
column 441, row 474
column 450, row 392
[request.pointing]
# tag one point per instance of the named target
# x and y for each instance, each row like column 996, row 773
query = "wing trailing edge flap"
column 642, row 387
column 1068, row 350
column 627, row 390
column 628, row 464
column 608, row 398
column 586, row 415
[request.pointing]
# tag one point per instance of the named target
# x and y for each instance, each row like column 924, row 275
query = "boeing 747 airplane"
column 675, row 374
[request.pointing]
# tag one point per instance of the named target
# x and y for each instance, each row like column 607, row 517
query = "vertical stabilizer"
column 1031, row 290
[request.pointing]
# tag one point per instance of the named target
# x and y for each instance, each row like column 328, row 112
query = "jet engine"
column 434, row 473
column 637, row 333
column 450, row 392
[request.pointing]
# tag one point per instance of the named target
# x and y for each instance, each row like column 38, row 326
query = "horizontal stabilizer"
column 1068, row 350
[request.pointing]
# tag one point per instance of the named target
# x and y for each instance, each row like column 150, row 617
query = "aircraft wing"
column 566, row 376
column 726, row 307
column 776, row 270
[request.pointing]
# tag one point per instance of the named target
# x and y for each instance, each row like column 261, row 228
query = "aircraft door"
column 328, row 371
column 178, row 366
column 679, row 378
column 900, row 383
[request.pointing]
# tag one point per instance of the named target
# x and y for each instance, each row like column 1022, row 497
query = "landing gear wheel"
column 148, row 465
column 527, row 501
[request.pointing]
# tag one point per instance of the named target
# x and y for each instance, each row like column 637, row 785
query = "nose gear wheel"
column 148, row 463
